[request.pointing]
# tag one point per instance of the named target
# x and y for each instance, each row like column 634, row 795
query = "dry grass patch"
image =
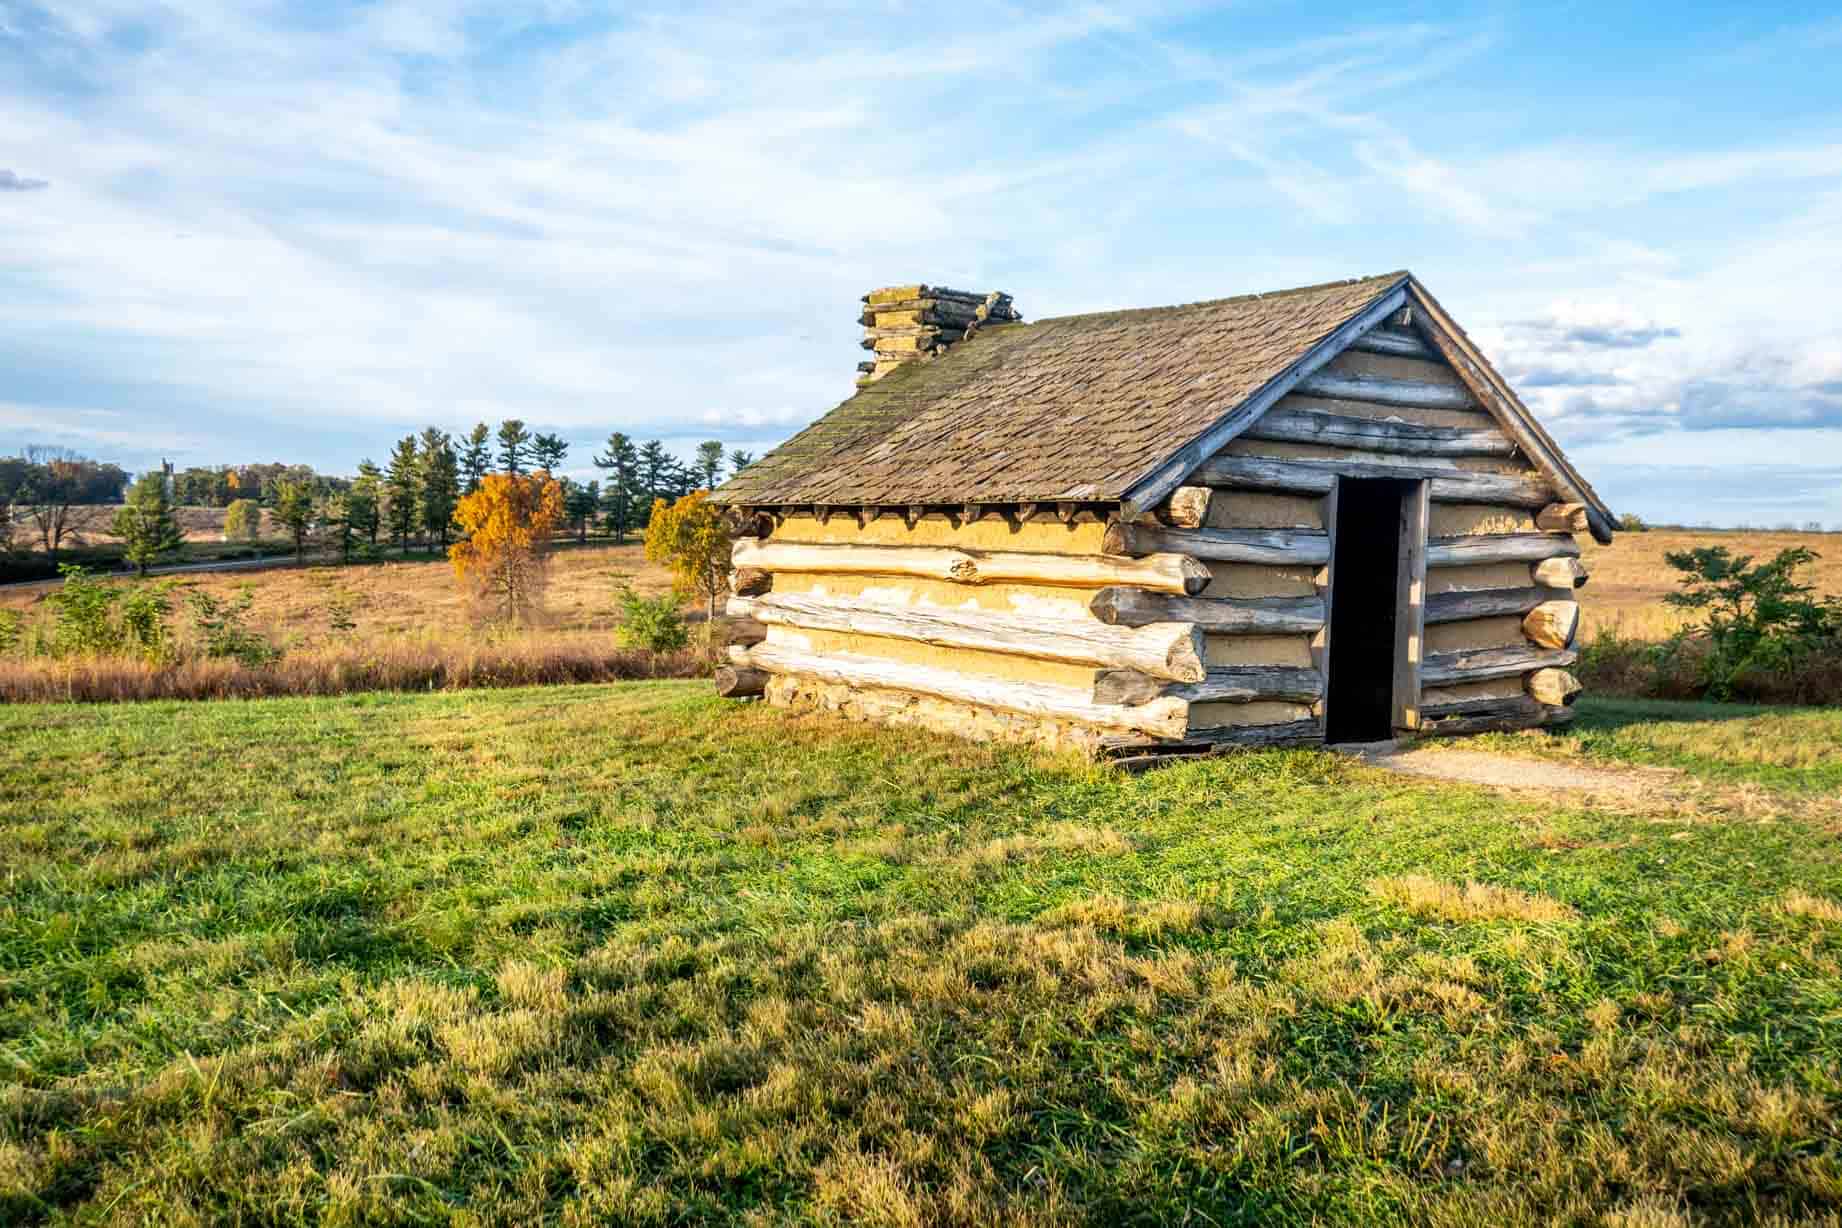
column 1422, row 896
column 1803, row 904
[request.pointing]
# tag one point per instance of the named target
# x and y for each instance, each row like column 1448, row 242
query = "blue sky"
column 234, row 231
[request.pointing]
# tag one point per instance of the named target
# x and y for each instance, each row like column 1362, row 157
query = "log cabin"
column 1310, row 516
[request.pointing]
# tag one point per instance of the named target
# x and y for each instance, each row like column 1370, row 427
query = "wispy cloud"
column 10, row 181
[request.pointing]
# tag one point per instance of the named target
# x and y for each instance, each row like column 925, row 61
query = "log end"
column 1554, row 688
column 1563, row 518
column 1196, row 575
column 1187, row 656
column 1106, row 605
column 740, row 682
column 1559, row 573
column 751, row 581
column 1189, row 507
column 1118, row 539
column 1552, row 624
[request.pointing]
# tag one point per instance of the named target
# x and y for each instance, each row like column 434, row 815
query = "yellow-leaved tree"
column 507, row 521
column 689, row 537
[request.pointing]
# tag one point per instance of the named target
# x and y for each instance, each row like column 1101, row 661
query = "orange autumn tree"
column 507, row 521
column 689, row 537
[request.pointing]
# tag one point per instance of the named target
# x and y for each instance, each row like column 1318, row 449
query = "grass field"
column 630, row 955
column 1629, row 577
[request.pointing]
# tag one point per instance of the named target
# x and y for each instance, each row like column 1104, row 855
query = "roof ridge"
column 1396, row 275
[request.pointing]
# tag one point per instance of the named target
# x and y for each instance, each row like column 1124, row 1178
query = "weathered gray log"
column 1552, row 624
column 743, row 630
column 1488, row 603
column 1236, row 684
column 1401, row 343
column 1560, row 573
column 1131, row 607
column 751, row 581
column 1316, row 475
column 1165, row 573
column 1135, row 754
column 1499, row 548
column 1490, row 705
column 1526, row 715
column 1167, row 718
column 739, row 682
column 1151, row 489
column 1297, row 547
column 1287, row 733
column 1401, row 438
column 1554, row 687
column 1171, row 650
column 1380, row 390
column 1481, row 665
column 1563, row 518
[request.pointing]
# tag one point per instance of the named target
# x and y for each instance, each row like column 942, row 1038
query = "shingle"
column 1027, row 412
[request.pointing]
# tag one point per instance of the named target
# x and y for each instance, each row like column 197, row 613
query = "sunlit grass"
column 631, row 955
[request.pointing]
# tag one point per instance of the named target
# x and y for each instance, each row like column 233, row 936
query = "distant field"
column 1629, row 577
column 627, row 954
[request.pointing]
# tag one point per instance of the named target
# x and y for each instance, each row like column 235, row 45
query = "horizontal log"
column 911, row 312
column 1461, row 607
column 1130, row 607
column 1493, row 705
column 1299, row 547
column 891, row 297
column 1554, row 687
column 1164, row 573
column 1481, row 665
column 1529, row 716
column 744, row 631
column 1160, row 718
column 1286, row 733
column 1498, row 548
column 1380, row 390
column 1236, row 684
column 1399, row 342
column 1134, row 754
column 1316, row 476
column 1559, row 573
column 1402, row 438
column 739, row 681
column 1169, row 650
column 751, row 581
column 1552, row 624
column 1563, row 518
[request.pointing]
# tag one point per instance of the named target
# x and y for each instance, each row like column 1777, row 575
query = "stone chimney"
column 905, row 323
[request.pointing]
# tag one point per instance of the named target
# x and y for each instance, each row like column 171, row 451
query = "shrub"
column 691, row 538
column 83, row 614
column 1631, row 522
column 12, row 631
column 1760, row 619
column 243, row 520
column 654, row 623
column 222, row 630
column 144, row 611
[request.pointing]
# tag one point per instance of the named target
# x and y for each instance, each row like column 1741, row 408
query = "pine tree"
column 739, row 460
column 547, row 452
column 623, row 462
column 403, row 491
column 146, row 524
column 655, row 475
column 709, row 464
column 364, row 502
column 440, row 484
column 514, row 446
column 294, row 511
column 580, row 504
column 476, row 457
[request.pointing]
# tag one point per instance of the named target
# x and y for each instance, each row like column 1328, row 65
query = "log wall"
column 1203, row 621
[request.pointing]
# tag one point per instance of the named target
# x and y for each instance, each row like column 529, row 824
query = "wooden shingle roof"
column 1074, row 408
column 1097, row 408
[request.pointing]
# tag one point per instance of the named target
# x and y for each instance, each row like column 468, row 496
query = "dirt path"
column 1482, row 767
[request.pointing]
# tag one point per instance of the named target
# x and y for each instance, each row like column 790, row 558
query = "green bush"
column 654, row 623
column 82, row 614
column 12, row 631
column 1759, row 619
column 223, row 632
column 144, row 611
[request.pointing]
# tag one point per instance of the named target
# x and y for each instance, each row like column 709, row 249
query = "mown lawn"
column 628, row 955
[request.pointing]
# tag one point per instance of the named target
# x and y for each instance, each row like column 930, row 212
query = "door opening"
column 1372, row 514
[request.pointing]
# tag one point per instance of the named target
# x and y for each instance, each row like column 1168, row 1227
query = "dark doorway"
column 1364, row 581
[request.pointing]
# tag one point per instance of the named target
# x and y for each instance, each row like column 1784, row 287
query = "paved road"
column 273, row 560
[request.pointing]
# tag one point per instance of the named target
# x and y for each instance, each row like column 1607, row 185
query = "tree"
column 514, row 446
column 243, row 520
column 739, row 460
column 580, row 503
column 623, row 462
column 146, row 524
column 403, row 491
column 690, row 537
column 547, row 452
column 294, row 512
column 363, row 503
column 655, row 474
column 440, row 473
column 709, row 464
column 508, row 522
column 476, row 457
column 58, row 490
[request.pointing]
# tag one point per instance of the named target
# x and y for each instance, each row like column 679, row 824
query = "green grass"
column 630, row 955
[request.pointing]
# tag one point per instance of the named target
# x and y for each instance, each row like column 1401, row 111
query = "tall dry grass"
column 406, row 663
